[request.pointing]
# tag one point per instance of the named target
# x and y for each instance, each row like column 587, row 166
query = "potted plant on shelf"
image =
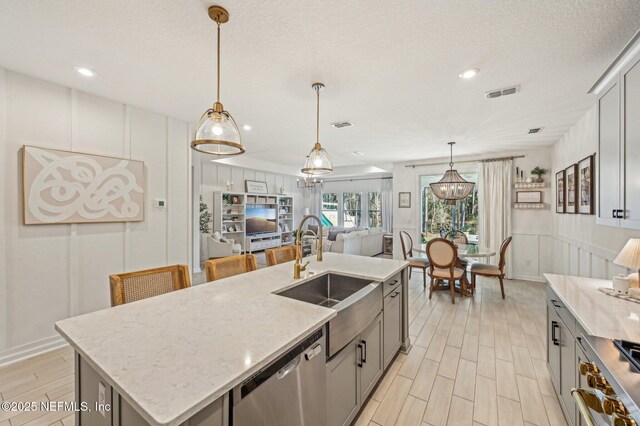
column 538, row 171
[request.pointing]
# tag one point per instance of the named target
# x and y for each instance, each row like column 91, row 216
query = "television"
column 261, row 220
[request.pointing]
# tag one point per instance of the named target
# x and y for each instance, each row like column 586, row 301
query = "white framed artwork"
column 72, row 187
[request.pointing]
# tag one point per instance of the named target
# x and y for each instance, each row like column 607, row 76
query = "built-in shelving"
column 229, row 218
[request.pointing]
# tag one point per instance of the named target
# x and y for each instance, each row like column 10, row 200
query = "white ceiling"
column 391, row 68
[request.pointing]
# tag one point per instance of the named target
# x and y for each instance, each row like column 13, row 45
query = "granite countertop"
column 170, row 356
column 600, row 315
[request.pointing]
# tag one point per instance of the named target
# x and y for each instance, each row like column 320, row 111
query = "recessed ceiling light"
column 246, row 127
column 470, row 73
column 85, row 72
column 357, row 153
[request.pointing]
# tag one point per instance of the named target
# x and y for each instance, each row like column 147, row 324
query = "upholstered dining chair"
column 443, row 255
column 487, row 270
column 458, row 237
column 217, row 269
column 132, row 286
column 421, row 263
column 280, row 255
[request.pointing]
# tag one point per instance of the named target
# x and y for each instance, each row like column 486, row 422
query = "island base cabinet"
column 343, row 386
column 392, row 324
column 353, row 373
column 89, row 384
column 568, row 371
column 553, row 346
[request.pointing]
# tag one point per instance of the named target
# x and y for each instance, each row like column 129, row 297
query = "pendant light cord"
column 318, row 115
column 218, row 86
column 451, row 156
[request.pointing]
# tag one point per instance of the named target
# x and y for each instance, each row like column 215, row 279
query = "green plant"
column 538, row 171
column 205, row 217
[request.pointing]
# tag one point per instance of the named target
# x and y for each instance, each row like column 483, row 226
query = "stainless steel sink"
column 357, row 301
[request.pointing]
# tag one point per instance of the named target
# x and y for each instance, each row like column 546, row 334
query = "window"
column 438, row 217
column 352, row 209
column 330, row 209
column 374, row 200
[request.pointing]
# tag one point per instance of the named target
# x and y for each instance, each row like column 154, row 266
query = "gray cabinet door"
column 343, row 386
column 392, row 324
column 553, row 346
column 567, row 370
column 372, row 363
column 631, row 145
column 608, row 172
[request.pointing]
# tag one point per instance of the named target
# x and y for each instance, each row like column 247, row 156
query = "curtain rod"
column 351, row 180
column 486, row 160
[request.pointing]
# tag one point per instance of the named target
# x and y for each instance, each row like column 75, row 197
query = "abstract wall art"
column 72, row 187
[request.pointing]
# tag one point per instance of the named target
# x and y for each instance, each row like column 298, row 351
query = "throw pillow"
column 313, row 229
column 334, row 234
column 224, row 240
column 216, row 236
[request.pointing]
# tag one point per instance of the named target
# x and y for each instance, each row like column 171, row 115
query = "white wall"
column 581, row 246
column 531, row 229
column 50, row 272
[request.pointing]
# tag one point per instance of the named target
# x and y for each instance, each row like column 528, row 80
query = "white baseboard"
column 31, row 349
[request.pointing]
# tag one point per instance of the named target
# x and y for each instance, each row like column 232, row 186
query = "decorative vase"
column 539, row 180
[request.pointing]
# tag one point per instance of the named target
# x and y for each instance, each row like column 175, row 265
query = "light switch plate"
column 160, row 203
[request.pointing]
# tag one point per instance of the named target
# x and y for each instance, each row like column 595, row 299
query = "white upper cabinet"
column 618, row 171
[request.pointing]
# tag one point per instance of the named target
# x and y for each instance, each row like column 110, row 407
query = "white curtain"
column 494, row 204
column 387, row 204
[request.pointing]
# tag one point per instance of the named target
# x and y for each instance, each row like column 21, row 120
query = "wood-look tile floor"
column 478, row 362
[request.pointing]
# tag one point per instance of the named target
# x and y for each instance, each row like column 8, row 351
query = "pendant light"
column 217, row 132
column 452, row 186
column 318, row 161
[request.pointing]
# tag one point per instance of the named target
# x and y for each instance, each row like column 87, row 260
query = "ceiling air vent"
column 535, row 130
column 501, row 92
column 341, row 124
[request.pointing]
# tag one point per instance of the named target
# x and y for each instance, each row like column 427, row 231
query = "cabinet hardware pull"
column 395, row 294
column 394, row 282
column 614, row 213
column 553, row 302
column 554, row 325
column 364, row 357
column 361, row 361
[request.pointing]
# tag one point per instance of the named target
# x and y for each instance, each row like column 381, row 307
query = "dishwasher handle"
column 282, row 373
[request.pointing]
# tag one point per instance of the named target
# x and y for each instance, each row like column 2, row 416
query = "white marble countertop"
column 170, row 356
column 600, row 315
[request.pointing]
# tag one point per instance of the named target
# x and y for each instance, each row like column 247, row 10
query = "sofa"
column 362, row 242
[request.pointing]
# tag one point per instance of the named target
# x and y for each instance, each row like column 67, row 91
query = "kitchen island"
column 175, row 357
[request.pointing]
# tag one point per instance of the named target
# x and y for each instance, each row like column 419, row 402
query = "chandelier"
column 452, row 187
column 217, row 132
column 318, row 161
column 309, row 182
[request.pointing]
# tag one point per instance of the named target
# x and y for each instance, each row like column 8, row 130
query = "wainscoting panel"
column 585, row 260
column 531, row 255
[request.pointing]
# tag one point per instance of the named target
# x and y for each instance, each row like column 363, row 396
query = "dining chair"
column 443, row 256
column 217, row 269
column 138, row 285
column 421, row 263
column 488, row 270
column 280, row 255
column 458, row 237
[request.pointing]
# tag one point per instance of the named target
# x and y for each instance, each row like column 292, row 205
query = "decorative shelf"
column 531, row 185
column 529, row 206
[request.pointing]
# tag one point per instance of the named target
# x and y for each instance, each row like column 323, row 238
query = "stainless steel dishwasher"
column 290, row 391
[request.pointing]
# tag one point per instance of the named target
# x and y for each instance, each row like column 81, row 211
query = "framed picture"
column 235, row 199
column 224, row 228
column 73, row 187
column 571, row 174
column 529, row 197
column 404, row 200
column 561, row 194
column 256, row 187
column 585, row 176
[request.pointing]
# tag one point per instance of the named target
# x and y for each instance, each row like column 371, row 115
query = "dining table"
column 464, row 250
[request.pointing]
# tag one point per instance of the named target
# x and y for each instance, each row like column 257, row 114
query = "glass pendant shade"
column 318, row 162
column 217, row 134
column 452, row 186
